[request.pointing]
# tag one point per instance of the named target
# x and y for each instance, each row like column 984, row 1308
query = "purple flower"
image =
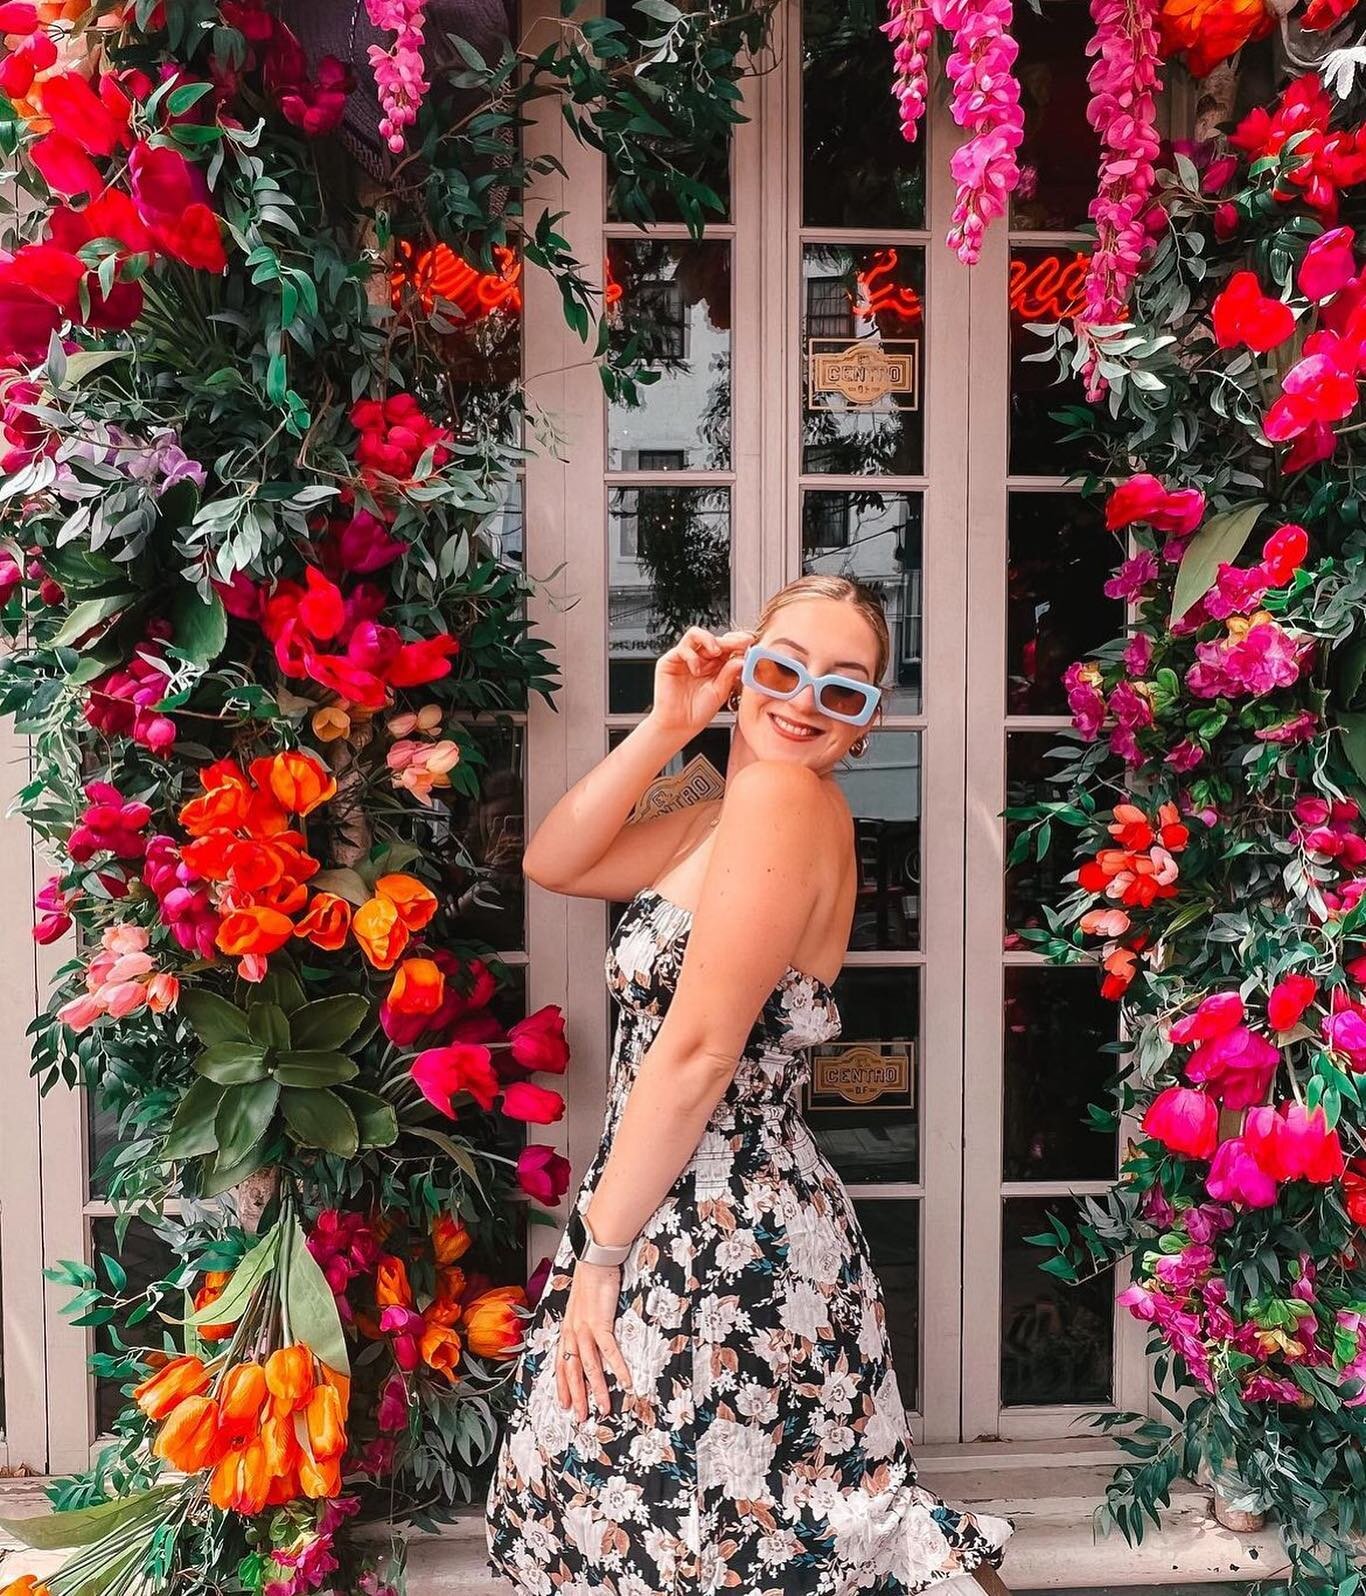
column 1133, row 576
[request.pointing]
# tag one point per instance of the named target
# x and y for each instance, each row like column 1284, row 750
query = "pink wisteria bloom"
column 398, row 70
column 911, row 31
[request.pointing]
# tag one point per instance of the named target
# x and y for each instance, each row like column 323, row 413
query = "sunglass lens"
column 843, row 700
column 778, row 678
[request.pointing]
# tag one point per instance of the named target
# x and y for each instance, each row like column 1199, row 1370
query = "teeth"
column 795, row 726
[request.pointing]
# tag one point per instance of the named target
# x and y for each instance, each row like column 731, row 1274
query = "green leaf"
column 1219, row 541
column 1353, row 729
column 268, row 1025
column 319, row 1118
column 452, row 1149
column 310, row 1305
column 222, row 1174
column 329, row 1022
column 200, row 630
column 1350, row 663
column 213, row 1018
column 192, row 1131
column 375, row 1119
column 348, row 884
column 232, row 1063
column 231, row 1303
column 83, row 1526
column 86, row 615
column 281, row 987
column 243, row 1118
column 85, row 362
column 313, row 1070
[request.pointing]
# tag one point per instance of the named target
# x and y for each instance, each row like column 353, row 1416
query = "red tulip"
column 1243, row 314
column 1143, row 498
column 542, row 1173
column 65, row 166
column 1320, row 387
column 1283, row 553
column 538, row 1041
column 77, row 111
column 1290, row 997
column 1329, row 265
column 1290, row 1143
column 416, row 664
column 1184, row 1120
column 524, row 1100
column 441, row 1072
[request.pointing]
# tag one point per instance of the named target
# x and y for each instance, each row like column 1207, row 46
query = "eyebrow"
column 840, row 664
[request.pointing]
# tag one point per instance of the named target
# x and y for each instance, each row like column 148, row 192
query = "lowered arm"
column 757, row 897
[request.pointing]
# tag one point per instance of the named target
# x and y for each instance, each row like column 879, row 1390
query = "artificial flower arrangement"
column 1216, row 786
column 265, row 643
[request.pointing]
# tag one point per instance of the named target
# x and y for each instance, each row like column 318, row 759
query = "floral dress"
column 763, row 1448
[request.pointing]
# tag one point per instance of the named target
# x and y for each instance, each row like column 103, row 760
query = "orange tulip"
column 25, row 1585
column 1209, row 31
column 224, row 803
column 253, row 930
column 289, row 1377
column 209, row 1293
column 419, row 987
column 299, row 782
column 391, row 1283
column 439, row 1348
column 414, row 902
column 240, row 1401
column 325, row 1422
column 180, row 1378
column 327, row 922
column 380, row 931
column 321, row 1479
column 450, row 1239
column 241, row 1480
column 493, row 1328
column 189, row 1440
column 281, row 1446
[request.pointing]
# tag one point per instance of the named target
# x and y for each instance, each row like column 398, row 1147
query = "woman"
column 705, row 1400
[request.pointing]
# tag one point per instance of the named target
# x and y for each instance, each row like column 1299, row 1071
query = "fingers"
column 607, row 1344
column 585, row 1375
column 594, row 1379
column 702, row 652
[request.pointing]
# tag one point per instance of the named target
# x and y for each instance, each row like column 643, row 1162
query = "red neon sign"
column 880, row 293
column 1049, row 289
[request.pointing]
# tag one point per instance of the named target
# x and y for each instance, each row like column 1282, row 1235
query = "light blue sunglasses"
column 780, row 676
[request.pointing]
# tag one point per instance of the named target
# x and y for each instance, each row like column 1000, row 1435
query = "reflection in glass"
column 858, row 171
column 883, row 792
column 1057, row 1026
column 1045, row 287
column 674, row 297
column 893, row 1231
column 488, row 889
column 668, row 560
column 706, row 163
column 1057, row 612
column 1056, row 1339
column 871, row 295
column 1059, row 153
column 504, row 529
column 145, row 1258
column 877, row 1140
column 875, row 538
column 1031, row 777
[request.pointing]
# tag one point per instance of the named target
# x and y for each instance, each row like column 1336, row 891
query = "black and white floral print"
column 763, row 1449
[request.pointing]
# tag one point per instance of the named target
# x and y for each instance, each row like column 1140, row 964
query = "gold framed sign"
column 862, row 1073
column 863, row 373
column 697, row 782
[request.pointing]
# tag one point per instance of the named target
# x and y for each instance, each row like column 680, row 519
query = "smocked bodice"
column 643, row 961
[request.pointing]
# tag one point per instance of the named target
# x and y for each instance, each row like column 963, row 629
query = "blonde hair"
column 817, row 585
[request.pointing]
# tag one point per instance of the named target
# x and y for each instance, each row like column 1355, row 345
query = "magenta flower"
column 1184, row 1120
column 1085, row 699
column 1329, row 265
column 1290, row 1143
column 910, row 29
column 1133, row 576
column 1345, row 1032
column 1236, row 1177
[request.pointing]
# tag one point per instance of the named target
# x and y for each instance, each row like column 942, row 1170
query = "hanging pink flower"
column 908, row 27
column 986, row 103
column 398, row 70
column 1124, row 83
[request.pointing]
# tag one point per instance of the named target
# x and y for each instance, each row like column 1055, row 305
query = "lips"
column 794, row 730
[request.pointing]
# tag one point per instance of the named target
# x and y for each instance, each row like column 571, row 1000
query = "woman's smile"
column 795, row 730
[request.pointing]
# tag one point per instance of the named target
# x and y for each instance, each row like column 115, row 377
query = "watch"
column 594, row 1252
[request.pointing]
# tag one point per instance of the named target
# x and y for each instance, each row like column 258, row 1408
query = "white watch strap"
column 598, row 1252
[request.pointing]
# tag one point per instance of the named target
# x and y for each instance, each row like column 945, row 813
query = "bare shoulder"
column 775, row 780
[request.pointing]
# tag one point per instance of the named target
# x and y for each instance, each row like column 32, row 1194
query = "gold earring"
column 859, row 747
column 733, row 702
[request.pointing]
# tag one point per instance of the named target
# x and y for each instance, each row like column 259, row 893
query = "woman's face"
column 826, row 635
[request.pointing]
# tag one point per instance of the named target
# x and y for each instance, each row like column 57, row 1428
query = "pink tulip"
column 542, row 1173
column 1218, row 1013
column 441, row 1072
column 1328, row 265
column 1184, row 1120
column 81, row 1012
column 1345, row 1032
column 124, row 998
column 1236, row 1177
column 1290, row 1143
column 524, row 1100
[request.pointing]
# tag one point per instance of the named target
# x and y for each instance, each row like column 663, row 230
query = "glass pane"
column 893, row 1232
column 1045, row 286
column 505, row 528
column 875, row 538
column 1060, row 152
column 1056, row 1027
column 1056, row 1340
column 490, row 891
column 1032, row 883
column 883, row 792
column 668, row 561
column 864, row 316
column 1060, row 560
column 709, row 166
column 675, row 299
column 863, row 1103
column 145, row 1258
column 857, row 170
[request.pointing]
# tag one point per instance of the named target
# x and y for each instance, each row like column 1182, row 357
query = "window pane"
column 875, row 538
column 883, row 792
column 893, row 1232
column 1059, row 154
column 491, row 828
column 1032, row 883
column 1060, row 559
column 858, row 171
column 668, row 560
column 1056, row 1339
column 145, row 1258
column 863, row 1103
column 868, row 300
column 1045, row 287
column 675, row 299
column 1056, row 1027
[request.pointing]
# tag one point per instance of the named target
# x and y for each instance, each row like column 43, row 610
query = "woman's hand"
column 588, row 1331
column 695, row 678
